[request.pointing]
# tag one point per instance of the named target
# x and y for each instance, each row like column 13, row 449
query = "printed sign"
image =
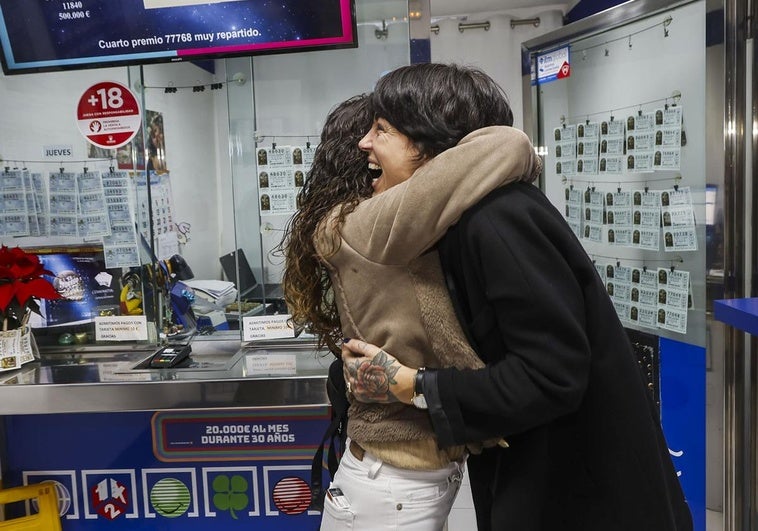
column 553, row 65
column 267, row 327
column 108, row 115
column 121, row 328
column 280, row 433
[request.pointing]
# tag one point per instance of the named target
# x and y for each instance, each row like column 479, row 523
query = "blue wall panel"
column 683, row 417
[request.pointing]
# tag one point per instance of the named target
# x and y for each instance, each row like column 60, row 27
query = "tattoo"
column 373, row 378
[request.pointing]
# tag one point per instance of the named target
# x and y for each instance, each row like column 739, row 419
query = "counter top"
column 219, row 374
column 739, row 313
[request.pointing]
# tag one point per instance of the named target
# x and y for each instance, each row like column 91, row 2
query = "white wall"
column 497, row 51
column 40, row 110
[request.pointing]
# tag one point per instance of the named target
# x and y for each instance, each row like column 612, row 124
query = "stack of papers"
column 219, row 293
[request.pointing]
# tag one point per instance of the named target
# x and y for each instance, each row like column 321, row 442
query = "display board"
column 91, row 33
column 624, row 144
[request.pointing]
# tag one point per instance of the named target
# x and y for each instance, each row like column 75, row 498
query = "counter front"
column 223, row 441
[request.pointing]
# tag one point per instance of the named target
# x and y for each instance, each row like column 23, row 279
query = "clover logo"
column 230, row 494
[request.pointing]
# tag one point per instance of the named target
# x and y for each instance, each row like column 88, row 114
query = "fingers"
column 359, row 347
column 346, row 376
column 348, row 354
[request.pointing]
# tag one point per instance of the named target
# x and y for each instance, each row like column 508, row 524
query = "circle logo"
column 170, row 497
column 64, row 498
column 108, row 115
column 292, row 495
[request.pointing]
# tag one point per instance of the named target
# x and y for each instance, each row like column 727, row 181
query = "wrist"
column 405, row 378
column 419, row 400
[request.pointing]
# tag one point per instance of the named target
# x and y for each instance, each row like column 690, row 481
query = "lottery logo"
column 292, row 495
column 108, row 115
column 230, row 493
column 110, row 498
column 170, row 497
column 64, row 499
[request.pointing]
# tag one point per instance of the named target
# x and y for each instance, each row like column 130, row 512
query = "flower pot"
column 16, row 348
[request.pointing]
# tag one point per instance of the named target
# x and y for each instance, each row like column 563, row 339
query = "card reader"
column 170, row 356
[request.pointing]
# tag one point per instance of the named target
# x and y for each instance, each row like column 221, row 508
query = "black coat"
column 562, row 384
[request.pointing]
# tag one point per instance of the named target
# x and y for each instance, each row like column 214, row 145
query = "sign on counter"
column 265, row 364
column 121, row 328
column 258, row 327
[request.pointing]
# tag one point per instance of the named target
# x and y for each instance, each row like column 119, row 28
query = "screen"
column 39, row 36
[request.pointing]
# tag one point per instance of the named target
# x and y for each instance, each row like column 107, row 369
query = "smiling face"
column 390, row 152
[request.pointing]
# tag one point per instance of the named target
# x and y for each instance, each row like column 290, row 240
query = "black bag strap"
column 334, row 437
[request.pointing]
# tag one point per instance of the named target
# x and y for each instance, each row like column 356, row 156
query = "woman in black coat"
column 562, row 386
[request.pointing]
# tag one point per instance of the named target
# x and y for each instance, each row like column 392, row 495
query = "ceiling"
column 372, row 12
column 442, row 8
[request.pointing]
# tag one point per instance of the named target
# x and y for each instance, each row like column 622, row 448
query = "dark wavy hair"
column 339, row 176
column 436, row 105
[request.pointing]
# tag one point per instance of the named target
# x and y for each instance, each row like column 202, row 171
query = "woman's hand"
column 372, row 375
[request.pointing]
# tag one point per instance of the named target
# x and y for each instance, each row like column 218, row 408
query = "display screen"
column 48, row 35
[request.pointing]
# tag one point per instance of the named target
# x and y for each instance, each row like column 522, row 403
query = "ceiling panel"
column 456, row 7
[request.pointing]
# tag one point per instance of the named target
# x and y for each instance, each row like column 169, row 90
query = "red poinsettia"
column 21, row 283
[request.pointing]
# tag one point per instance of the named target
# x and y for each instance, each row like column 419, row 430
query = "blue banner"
column 109, row 475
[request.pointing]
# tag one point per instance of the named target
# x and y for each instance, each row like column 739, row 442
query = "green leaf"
column 221, row 483
column 230, row 494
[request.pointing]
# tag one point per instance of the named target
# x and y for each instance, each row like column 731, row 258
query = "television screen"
column 55, row 35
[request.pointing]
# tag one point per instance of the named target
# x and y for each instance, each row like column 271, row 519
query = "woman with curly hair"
column 365, row 267
column 339, row 178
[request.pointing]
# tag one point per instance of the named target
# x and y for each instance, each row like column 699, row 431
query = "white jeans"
column 383, row 497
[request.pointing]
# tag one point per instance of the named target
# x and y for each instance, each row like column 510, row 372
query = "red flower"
column 21, row 282
column 373, row 381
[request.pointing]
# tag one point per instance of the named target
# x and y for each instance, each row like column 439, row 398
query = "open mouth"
column 374, row 171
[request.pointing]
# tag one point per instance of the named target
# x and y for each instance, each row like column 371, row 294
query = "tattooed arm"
column 373, row 375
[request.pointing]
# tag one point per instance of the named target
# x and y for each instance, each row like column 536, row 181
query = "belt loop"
column 373, row 470
column 457, row 475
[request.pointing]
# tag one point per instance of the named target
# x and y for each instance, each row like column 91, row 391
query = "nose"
column 365, row 142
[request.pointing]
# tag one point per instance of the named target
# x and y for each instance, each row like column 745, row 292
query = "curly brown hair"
column 339, row 176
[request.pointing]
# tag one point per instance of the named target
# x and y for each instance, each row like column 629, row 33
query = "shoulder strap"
column 334, row 437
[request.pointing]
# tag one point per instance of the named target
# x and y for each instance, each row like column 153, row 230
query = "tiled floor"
column 714, row 521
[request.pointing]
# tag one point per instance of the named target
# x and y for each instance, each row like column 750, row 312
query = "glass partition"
column 628, row 112
column 621, row 124
column 177, row 226
column 275, row 123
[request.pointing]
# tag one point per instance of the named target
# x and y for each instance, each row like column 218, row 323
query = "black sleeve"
column 520, row 254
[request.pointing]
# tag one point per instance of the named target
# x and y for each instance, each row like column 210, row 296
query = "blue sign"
column 553, row 65
column 683, row 418
column 110, row 475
